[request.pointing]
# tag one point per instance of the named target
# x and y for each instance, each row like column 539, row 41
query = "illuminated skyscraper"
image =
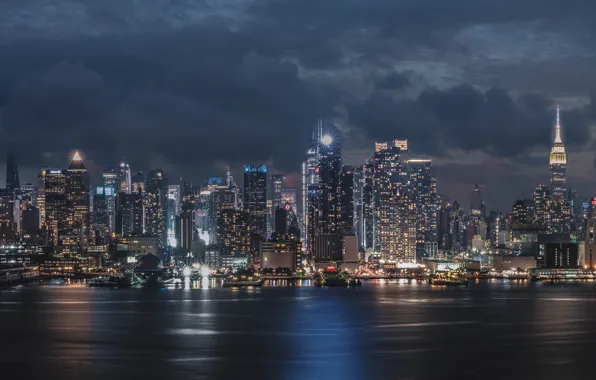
column 110, row 178
column 387, row 184
column 288, row 196
column 560, row 208
column 330, row 165
column 346, row 197
column 75, row 235
column 542, row 208
column 124, row 178
column 423, row 188
column 368, row 205
column 477, row 206
column 310, row 189
column 12, row 172
column 255, row 198
column 103, row 212
column 156, row 205
column 277, row 184
column 590, row 243
column 558, row 165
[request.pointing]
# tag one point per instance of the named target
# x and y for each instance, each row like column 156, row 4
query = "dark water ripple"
column 381, row 331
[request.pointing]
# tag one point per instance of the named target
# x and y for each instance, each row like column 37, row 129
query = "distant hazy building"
column 124, row 178
column 12, row 171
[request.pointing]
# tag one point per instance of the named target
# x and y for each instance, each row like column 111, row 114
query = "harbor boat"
column 331, row 276
column 246, row 277
column 110, row 282
column 448, row 278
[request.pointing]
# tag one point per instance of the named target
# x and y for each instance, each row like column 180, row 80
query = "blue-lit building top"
column 255, row 169
column 215, row 181
column 106, row 190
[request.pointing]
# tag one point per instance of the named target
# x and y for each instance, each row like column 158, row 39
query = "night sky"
column 193, row 85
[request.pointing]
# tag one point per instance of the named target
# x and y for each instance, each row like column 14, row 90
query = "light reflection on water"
column 397, row 329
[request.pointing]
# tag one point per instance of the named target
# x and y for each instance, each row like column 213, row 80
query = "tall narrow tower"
column 75, row 235
column 558, row 164
column 12, row 172
column 560, row 208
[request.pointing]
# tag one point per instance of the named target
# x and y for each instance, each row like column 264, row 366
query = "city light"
column 327, row 140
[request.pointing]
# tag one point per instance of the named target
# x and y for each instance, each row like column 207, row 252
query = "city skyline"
column 293, row 179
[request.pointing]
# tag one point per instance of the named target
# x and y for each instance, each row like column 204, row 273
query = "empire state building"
column 559, row 204
column 558, row 165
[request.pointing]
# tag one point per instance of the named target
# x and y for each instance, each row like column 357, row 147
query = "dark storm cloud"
column 393, row 81
column 193, row 84
column 467, row 118
column 191, row 102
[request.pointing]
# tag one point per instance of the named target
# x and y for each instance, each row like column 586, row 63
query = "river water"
column 383, row 330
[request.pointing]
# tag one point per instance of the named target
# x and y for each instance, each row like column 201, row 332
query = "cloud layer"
column 190, row 85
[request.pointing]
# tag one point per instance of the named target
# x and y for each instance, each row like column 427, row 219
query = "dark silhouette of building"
column 281, row 221
column 12, row 172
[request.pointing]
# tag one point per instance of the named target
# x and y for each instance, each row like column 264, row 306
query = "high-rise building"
column 54, row 202
column 477, row 206
column 330, row 164
column 129, row 214
column 12, row 172
column 310, row 188
column 156, row 205
column 103, row 212
column 281, row 221
column 590, row 242
column 277, row 184
column 185, row 231
column 255, row 198
column 288, row 196
column 174, row 208
column 560, row 208
column 233, row 231
column 138, row 182
column 542, row 208
column 110, row 178
column 368, row 205
column 346, row 196
column 423, row 189
column 124, row 178
column 522, row 212
column 75, row 235
column 387, row 185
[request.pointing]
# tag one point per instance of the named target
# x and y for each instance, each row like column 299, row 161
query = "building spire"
column 558, row 127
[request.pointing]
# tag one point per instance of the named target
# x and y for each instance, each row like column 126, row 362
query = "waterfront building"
column 280, row 252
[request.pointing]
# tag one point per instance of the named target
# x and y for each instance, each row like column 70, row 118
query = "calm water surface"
column 495, row 330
